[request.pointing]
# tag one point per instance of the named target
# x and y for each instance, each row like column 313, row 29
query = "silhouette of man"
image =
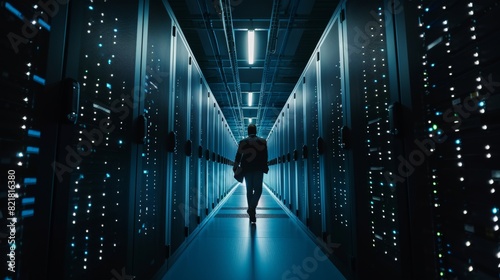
column 252, row 154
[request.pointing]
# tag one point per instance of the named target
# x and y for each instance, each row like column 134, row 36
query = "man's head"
column 252, row 129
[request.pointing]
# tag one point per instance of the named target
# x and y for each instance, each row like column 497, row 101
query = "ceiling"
column 286, row 34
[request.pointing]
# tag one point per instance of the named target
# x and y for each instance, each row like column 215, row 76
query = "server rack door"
column 149, row 221
column 201, row 151
column 288, row 141
column 279, row 138
column 338, row 195
column 460, row 63
column 217, row 174
column 179, row 163
column 312, row 161
column 95, row 168
column 210, row 149
column 380, row 218
column 268, row 180
column 26, row 141
column 300, row 144
column 293, row 160
column 194, row 170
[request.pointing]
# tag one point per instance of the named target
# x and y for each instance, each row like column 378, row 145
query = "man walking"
column 252, row 154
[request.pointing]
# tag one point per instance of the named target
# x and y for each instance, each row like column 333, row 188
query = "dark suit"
column 252, row 153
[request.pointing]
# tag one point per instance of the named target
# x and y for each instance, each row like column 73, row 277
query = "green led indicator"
column 434, row 126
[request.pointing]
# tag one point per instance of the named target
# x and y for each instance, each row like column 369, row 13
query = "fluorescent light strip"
column 250, row 97
column 251, row 47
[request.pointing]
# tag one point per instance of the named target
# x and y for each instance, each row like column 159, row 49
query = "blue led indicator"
column 494, row 210
column 107, row 175
column 145, row 171
column 482, row 103
column 44, row 24
column 120, row 142
column 29, row 181
column 100, row 45
column 28, row 213
column 14, row 11
column 28, row 200
column 109, row 61
column 458, row 141
column 34, row 133
column 115, row 30
column 39, row 79
column 91, row 8
column 32, row 150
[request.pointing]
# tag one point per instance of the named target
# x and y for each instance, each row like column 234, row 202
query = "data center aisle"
column 230, row 248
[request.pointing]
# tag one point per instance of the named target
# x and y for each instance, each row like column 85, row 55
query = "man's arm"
column 237, row 157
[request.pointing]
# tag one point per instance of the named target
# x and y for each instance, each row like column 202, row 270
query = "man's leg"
column 254, row 191
column 257, row 188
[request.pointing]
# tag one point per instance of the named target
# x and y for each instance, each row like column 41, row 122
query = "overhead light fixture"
column 250, row 97
column 251, row 46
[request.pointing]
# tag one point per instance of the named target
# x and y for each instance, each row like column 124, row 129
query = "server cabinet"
column 193, row 148
column 217, row 169
column 339, row 226
column 149, row 222
column 291, row 155
column 92, row 221
column 210, row 149
column 178, row 132
column 288, row 184
column 311, row 156
column 382, row 219
column 202, row 150
column 301, row 169
column 24, row 137
column 459, row 135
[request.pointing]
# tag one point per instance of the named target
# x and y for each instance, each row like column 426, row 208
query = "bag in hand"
column 238, row 174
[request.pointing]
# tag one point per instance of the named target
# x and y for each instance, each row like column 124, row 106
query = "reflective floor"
column 228, row 247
